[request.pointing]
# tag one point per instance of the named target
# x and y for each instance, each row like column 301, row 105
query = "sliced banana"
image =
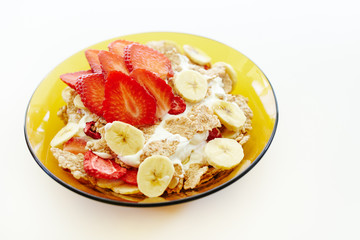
column 230, row 115
column 78, row 103
column 154, row 175
column 107, row 183
column 229, row 70
column 174, row 182
column 153, row 200
column 191, row 85
column 118, row 186
column 124, row 139
column 226, row 133
column 126, row 189
column 64, row 134
column 223, row 153
column 196, row 55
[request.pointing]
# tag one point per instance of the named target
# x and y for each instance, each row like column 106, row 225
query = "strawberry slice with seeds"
column 98, row 167
column 118, row 46
column 142, row 56
column 93, row 59
column 178, row 106
column 71, row 78
column 112, row 62
column 75, row 145
column 161, row 91
column 127, row 101
column 131, row 176
column 91, row 89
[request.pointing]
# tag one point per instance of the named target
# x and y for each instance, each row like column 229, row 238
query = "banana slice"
column 107, row 183
column 196, row 55
column 223, row 153
column 64, row 134
column 226, row 133
column 229, row 70
column 126, row 189
column 154, row 175
column 78, row 103
column 153, row 200
column 123, row 138
column 191, row 85
column 230, row 115
column 118, row 186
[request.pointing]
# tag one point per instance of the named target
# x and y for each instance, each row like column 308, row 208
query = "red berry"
column 158, row 88
column 214, row 133
column 98, row 167
column 131, row 176
column 178, row 106
column 71, row 78
column 127, row 101
column 93, row 59
column 118, row 46
column 142, row 56
column 88, row 130
column 91, row 89
column 75, row 145
column 112, row 62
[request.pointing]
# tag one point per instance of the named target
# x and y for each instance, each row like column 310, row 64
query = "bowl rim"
column 172, row 202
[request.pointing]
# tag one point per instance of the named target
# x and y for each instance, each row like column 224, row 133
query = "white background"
column 305, row 187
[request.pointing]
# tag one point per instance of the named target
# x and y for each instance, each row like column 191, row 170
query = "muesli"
column 148, row 120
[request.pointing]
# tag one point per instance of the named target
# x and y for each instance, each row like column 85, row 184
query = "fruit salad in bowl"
column 152, row 122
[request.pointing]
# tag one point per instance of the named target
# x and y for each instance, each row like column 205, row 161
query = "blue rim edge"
column 160, row 204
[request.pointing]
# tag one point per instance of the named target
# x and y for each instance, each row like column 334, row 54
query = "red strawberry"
column 157, row 87
column 98, row 167
column 178, row 106
column 75, row 145
column 127, row 101
column 71, row 78
column 130, row 177
column 89, row 130
column 214, row 133
column 142, row 56
column 112, row 62
column 91, row 89
column 118, row 46
column 93, row 59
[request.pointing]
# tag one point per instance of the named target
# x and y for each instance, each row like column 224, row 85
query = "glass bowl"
column 42, row 122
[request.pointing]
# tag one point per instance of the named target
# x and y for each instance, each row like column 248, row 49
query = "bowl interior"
column 42, row 123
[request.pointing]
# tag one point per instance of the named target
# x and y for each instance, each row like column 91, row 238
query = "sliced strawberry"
column 75, row 145
column 127, row 101
column 178, row 106
column 112, row 62
column 98, row 167
column 131, row 176
column 157, row 87
column 90, row 131
column 118, row 46
column 142, row 56
column 214, row 133
column 93, row 59
column 71, row 78
column 91, row 89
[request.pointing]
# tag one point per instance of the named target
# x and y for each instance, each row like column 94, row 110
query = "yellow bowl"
column 42, row 123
